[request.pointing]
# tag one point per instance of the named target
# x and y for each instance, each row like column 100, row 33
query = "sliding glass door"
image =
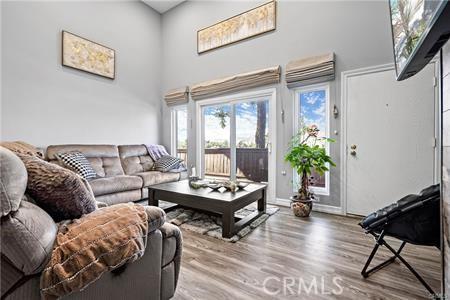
column 251, row 138
column 235, row 137
column 216, row 141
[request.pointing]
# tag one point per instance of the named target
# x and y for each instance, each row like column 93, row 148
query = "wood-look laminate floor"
column 287, row 256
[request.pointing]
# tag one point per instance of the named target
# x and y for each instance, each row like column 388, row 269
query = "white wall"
column 45, row 103
column 357, row 31
column 446, row 167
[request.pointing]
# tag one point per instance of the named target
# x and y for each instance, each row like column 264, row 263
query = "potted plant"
column 307, row 153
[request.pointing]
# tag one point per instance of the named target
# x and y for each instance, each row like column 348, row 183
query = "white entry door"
column 390, row 137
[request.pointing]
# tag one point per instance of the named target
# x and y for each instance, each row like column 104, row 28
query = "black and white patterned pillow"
column 78, row 163
column 167, row 163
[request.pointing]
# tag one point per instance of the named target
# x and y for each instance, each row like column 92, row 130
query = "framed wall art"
column 85, row 55
column 248, row 24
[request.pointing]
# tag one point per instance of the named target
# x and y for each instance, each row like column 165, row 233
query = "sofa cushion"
column 106, row 166
column 13, row 176
column 104, row 159
column 135, row 159
column 120, row 183
column 27, row 237
column 78, row 163
column 120, row 197
column 155, row 177
column 60, row 192
column 167, row 163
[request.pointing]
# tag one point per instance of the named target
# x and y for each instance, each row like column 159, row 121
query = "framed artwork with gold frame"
column 248, row 24
column 85, row 55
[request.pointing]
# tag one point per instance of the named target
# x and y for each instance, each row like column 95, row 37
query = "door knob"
column 353, row 151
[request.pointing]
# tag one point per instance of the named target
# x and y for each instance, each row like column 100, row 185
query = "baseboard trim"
column 335, row 210
column 283, row 202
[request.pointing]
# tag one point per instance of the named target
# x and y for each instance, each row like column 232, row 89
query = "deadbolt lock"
column 353, row 147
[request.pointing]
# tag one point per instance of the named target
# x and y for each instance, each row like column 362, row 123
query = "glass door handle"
column 269, row 147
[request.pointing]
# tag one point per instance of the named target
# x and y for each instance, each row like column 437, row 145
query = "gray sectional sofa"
column 28, row 232
column 124, row 171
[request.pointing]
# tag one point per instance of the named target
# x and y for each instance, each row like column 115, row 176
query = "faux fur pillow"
column 20, row 147
column 60, row 192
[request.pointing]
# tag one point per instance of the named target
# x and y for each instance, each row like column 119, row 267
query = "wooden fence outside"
column 252, row 164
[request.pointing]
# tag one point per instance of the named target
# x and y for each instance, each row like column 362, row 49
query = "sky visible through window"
column 181, row 129
column 217, row 124
column 313, row 110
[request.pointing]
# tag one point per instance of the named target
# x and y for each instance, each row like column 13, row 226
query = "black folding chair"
column 414, row 219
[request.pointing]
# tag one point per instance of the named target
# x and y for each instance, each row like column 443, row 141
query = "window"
column 312, row 108
column 179, row 132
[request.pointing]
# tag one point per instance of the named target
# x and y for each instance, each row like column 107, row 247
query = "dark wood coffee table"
column 205, row 199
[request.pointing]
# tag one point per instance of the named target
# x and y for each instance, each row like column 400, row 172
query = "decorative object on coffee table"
column 223, row 205
column 197, row 184
column 230, row 186
column 214, row 186
column 193, row 177
column 307, row 153
column 242, row 184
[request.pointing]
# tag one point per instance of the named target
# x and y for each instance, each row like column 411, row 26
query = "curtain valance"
column 236, row 83
column 177, row 96
column 310, row 70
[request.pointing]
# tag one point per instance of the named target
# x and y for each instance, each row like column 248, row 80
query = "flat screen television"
column 419, row 29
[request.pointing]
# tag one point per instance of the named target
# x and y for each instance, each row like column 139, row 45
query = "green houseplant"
column 307, row 154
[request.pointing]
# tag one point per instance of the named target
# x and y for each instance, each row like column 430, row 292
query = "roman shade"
column 310, row 70
column 177, row 96
column 236, row 83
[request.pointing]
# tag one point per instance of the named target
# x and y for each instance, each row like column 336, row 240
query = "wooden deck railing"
column 252, row 164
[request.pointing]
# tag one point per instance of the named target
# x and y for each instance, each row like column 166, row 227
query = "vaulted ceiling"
column 162, row 6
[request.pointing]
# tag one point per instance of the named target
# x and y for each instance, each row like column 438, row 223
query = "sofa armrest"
column 171, row 259
column 156, row 217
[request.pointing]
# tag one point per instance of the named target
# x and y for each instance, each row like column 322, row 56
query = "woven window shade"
column 235, row 83
column 310, row 70
column 177, row 96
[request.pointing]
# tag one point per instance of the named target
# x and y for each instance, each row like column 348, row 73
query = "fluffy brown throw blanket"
column 96, row 243
column 22, row 148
